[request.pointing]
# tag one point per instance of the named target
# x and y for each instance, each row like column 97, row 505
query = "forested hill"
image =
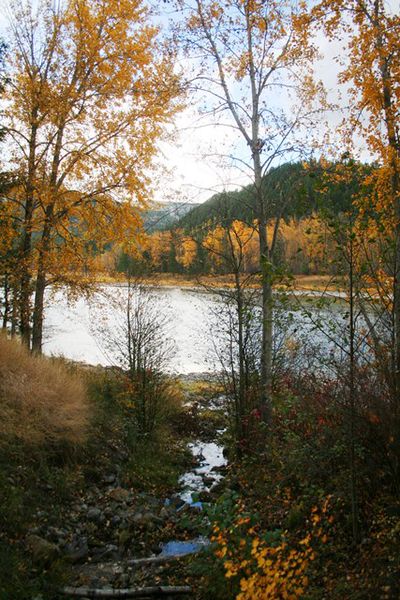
column 292, row 190
column 166, row 214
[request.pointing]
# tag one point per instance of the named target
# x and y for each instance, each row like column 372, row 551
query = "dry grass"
column 41, row 401
column 306, row 282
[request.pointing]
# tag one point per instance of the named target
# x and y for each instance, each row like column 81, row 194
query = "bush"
column 41, row 400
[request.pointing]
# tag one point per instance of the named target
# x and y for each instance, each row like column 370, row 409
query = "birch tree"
column 252, row 62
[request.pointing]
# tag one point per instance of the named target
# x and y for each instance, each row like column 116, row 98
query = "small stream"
column 203, row 477
column 197, row 480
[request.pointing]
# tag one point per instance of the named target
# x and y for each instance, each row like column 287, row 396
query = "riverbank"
column 119, row 511
column 90, row 514
column 319, row 283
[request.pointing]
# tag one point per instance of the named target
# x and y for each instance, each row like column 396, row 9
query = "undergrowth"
column 62, row 427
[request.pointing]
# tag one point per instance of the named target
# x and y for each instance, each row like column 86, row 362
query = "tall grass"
column 41, row 401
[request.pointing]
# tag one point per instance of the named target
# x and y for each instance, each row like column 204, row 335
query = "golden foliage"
column 270, row 571
column 91, row 91
column 186, row 251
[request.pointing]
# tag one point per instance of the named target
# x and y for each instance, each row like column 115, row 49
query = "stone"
column 94, row 514
column 124, row 580
column 176, row 502
column 77, row 550
column 120, row 495
column 147, row 520
column 55, row 535
column 156, row 549
column 208, row 481
column 125, row 537
column 109, row 479
column 164, row 513
column 110, row 551
column 222, row 469
column 205, row 496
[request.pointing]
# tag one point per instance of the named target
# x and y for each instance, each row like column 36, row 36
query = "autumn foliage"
column 91, row 89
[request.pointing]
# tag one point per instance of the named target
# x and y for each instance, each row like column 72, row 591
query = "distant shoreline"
column 320, row 283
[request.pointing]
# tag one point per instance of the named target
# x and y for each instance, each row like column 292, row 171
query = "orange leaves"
column 186, row 251
column 88, row 106
column 374, row 66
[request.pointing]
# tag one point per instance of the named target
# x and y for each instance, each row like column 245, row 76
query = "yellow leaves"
column 270, row 571
column 89, row 103
column 186, row 251
column 372, row 73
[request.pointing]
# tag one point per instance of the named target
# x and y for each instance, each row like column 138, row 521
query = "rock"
column 56, row 535
column 393, row 510
column 147, row 520
column 152, row 501
column 156, row 549
column 208, row 481
column 110, row 551
column 94, row 514
column 205, row 496
column 124, row 579
column 43, row 552
column 222, row 469
column 217, row 488
column 176, row 502
column 120, row 495
column 125, row 537
column 77, row 550
column 35, row 530
column 109, row 479
column 164, row 513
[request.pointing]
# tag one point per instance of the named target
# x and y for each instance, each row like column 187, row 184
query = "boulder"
column 77, row 550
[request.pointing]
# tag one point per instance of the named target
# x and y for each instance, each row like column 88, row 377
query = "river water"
column 74, row 329
column 71, row 329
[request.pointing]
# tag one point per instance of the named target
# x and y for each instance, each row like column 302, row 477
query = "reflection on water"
column 192, row 315
column 69, row 327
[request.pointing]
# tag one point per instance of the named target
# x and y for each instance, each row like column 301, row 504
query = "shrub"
column 41, row 400
column 265, row 564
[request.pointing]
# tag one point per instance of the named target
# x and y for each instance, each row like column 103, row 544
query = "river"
column 72, row 328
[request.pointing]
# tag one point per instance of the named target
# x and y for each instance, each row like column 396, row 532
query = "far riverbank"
column 299, row 283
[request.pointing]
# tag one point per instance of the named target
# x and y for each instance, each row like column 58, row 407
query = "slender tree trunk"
column 37, row 330
column 241, row 433
column 267, row 312
column 26, row 244
column 267, row 309
column 38, row 309
column 394, row 148
column 14, row 311
column 352, row 399
column 6, row 301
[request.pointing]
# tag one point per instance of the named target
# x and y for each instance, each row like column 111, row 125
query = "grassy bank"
column 63, row 427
